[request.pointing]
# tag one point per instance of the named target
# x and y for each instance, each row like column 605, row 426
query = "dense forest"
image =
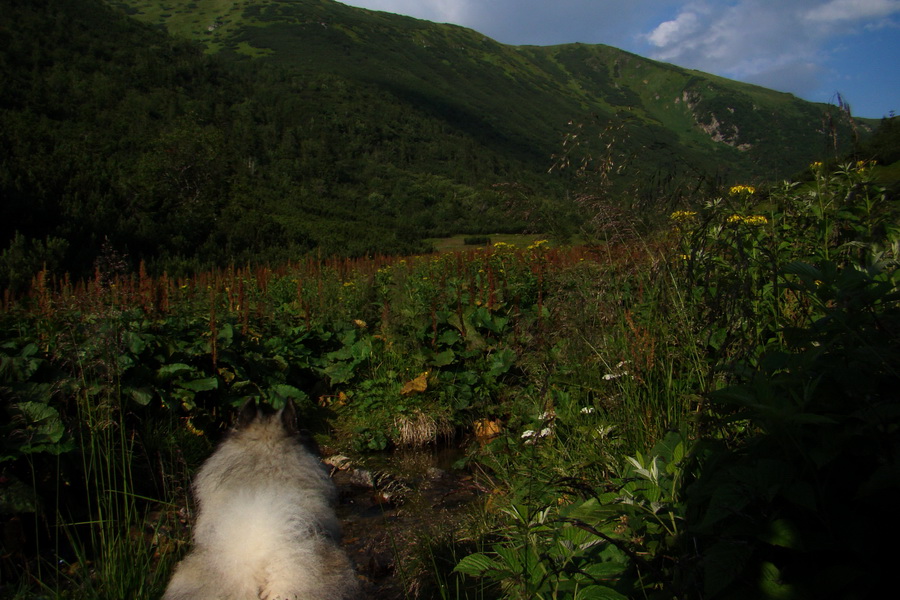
column 115, row 133
column 120, row 140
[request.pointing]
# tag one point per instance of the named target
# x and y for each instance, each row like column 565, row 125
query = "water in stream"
column 388, row 501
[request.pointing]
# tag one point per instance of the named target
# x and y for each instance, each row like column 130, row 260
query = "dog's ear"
column 247, row 414
column 289, row 418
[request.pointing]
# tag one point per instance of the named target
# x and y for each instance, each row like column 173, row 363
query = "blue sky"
column 811, row 48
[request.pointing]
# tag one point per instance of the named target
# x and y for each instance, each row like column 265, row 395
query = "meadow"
column 707, row 411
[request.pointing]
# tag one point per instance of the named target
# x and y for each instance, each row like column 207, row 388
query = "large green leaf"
column 598, row 592
column 142, row 396
column 442, row 359
column 41, row 430
column 501, row 361
column 280, row 393
column 476, row 565
column 169, row 372
column 200, row 385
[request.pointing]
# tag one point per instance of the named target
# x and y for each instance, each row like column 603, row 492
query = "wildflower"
column 587, row 410
column 742, row 189
column 682, row 215
column 621, row 373
column 864, row 165
column 816, row 166
column 537, row 244
column 531, row 436
column 754, row 220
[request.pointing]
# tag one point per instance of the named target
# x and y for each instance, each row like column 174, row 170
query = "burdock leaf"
column 476, row 565
column 200, row 385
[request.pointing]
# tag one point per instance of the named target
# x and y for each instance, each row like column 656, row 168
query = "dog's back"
column 266, row 527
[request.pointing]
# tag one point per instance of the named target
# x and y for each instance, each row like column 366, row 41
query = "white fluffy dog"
column 266, row 528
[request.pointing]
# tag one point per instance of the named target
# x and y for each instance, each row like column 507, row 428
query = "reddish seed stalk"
column 213, row 329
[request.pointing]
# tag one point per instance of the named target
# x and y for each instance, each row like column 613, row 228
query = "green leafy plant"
column 771, row 514
column 621, row 538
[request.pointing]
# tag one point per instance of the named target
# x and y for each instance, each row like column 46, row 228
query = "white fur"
column 266, row 528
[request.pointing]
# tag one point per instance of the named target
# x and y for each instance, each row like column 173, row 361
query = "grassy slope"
column 521, row 96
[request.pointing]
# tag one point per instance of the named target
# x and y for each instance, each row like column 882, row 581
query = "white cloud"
column 852, row 10
column 778, row 44
column 789, row 45
column 672, row 32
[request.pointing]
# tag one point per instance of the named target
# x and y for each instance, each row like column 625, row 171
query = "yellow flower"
column 864, row 165
column 754, row 220
column 742, row 189
column 682, row 215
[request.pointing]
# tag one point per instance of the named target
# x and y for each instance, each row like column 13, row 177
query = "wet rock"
column 363, row 478
column 435, row 473
column 338, row 461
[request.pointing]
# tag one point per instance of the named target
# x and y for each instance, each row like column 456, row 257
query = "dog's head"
column 253, row 414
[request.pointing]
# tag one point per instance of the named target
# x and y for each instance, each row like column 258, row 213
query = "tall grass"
column 599, row 367
column 702, row 410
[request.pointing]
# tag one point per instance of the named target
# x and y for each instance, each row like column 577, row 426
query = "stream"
column 388, row 501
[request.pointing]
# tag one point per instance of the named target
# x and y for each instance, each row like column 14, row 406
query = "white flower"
column 611, row 376
column 587, row 410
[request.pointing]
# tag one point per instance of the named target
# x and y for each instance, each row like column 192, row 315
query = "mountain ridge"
column 433, row 63
column 288, row 138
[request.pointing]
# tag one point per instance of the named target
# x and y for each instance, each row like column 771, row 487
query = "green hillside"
column 266, row 131
column 525, row 95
